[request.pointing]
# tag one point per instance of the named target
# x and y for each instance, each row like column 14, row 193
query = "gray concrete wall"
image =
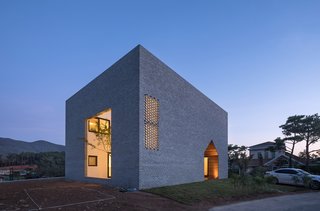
column 188, row 122
column 116, row 88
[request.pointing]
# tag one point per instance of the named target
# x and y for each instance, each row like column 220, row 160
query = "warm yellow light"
column 109, row 165
column 211, row 165
column 215, row 167
column 93, row 125
column 151, row 123
column 98, row 148
column 205, row 166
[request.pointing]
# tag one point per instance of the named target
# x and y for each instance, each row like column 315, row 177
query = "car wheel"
column 314, row 185
column 275, row 180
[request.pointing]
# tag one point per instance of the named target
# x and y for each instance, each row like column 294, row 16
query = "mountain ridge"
column 8, row 145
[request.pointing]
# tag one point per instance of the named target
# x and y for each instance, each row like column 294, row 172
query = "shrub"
column 239, row 181
column 295, row 179
column 270, row 179
column 258, row 171
column 248, row 182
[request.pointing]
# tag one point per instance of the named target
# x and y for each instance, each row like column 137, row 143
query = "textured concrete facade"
column 118, row 89
column 188, row 122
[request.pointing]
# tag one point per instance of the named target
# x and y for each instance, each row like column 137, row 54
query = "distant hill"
column 8, row 145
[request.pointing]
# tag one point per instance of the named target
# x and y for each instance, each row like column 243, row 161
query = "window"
column 281, row 171
column 99, row 125
column 292, row 172
column 151, row 123
column 286, row 171
column 93, row 125
column 266, row 155
column 92, row 160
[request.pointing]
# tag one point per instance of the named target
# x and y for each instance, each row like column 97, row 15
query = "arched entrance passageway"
column 211, row 162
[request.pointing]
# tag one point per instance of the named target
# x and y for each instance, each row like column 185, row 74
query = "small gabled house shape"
column 262, row 155
column 141, row 125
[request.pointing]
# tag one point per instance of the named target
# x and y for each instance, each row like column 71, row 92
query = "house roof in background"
column 263, row 145
column 286, row 156
column 267, row 162
column 296, row 158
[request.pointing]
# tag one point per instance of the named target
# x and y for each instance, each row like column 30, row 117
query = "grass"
column 217, row 190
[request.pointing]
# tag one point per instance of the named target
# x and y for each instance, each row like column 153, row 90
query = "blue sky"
column 259, row 60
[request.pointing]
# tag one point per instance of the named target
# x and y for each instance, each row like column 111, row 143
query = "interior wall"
column 213, row 161
column 99, row 171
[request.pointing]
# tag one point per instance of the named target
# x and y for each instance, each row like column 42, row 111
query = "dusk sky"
column 259, row 60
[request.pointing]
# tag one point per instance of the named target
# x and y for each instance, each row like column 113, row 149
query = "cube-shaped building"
column 141, row 125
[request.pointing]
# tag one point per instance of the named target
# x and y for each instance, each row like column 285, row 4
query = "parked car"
column 295, row 176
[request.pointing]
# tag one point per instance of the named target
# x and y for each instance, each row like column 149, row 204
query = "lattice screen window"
column 151, row 123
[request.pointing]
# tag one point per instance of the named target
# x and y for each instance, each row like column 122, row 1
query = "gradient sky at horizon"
column 259, row 60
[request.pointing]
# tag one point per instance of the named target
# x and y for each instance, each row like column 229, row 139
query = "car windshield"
column 303, row 172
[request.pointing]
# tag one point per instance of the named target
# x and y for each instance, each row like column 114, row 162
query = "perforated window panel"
column 151, row 123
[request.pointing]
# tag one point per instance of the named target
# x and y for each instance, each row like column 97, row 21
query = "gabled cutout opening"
column 211, row 162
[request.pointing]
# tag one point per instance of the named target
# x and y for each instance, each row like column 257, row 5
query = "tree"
column 303, row 127
column 291, row 130
column 317, row 152
column 302, row 154
column 238, row 157
column 313, row 155
column 50, row 164
column 279, row 144
column 310, row 132
column 12, row 159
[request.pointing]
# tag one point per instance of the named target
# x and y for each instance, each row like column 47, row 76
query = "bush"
column 260, row 181
column 258, row 171
column 233, row 172
column 270, row 179
column 50, row 164
column 248, row 182
column 239, row 181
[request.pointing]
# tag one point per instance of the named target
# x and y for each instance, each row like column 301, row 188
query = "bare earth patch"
column 45, row 198
column 58, row 194
column 66, row 195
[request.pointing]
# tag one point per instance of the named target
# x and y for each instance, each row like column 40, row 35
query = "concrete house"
column 141, row 125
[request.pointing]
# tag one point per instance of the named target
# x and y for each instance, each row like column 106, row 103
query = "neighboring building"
column 141, row 125
column 21, row 169
column 262, row 150
column 16, row 172
column 261, row 155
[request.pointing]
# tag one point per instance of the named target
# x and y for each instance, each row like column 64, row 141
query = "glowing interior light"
column 151, row 123
column 98, row 145
column 211, row 165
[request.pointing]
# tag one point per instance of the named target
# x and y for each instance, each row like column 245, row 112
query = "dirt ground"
column 58, row 194
column 67, row 195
